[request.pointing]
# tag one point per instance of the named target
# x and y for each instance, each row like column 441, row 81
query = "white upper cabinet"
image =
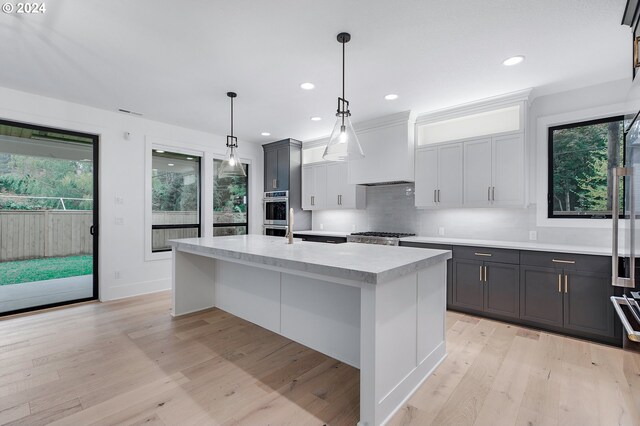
column 439, row 176
column 477, row 173
column 494, row 171
column 388, row 148
column 325, row 186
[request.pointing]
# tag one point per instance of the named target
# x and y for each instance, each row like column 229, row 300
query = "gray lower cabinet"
column 541, row 295
column 586, row 303
column 486, row 287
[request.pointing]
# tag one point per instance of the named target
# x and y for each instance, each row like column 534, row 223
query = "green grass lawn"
column 24, row 271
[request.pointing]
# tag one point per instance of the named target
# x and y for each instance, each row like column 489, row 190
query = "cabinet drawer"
column 486, row 254
column 425, row 245
column 568, row 261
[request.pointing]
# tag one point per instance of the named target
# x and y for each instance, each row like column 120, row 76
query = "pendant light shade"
column 343, row 144
column 231, row 166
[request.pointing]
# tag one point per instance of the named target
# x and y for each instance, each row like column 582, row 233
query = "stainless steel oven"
column 274, row 230
column 275, row 207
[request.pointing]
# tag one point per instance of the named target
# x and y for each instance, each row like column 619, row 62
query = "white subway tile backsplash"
column 391, row 209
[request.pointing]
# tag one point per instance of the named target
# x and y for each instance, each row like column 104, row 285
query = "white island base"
column 391, row 329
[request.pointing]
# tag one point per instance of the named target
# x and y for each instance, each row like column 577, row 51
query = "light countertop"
column 516, row 245
column 366, row 263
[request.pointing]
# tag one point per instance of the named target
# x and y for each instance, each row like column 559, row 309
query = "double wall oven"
column 275, row 208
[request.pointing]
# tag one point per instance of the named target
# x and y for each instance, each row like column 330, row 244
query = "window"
column 230, row 203
column 175, row 200
column 581, row 156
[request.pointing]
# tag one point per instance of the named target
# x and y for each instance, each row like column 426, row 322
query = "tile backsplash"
column 391, row 208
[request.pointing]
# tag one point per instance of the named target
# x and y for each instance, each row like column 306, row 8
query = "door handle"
column 571, row 262
column 566, row 283
column 493, row 193
column 483, row 254
column 485, row 274
column 488, row 193
column 559, row 283
column 480, row 273
column 313, row 200
column 92, row 230
column 275, row 183
column 438, row 195
column 435, row 197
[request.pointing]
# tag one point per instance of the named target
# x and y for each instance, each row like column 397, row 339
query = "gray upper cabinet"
column 277, row 165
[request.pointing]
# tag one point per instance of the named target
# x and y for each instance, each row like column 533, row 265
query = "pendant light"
column 232, row 166
column 343, row 144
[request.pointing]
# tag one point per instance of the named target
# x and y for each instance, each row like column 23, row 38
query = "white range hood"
column 388, row 145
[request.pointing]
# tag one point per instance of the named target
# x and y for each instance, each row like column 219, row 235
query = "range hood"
column 388, row 145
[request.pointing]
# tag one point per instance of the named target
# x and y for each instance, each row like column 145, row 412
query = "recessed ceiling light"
column 316, row 118
column 170, row 164
column 514, row 60
column 307, row 86
column 265, row 134
column 159, row 151
column 391, row 97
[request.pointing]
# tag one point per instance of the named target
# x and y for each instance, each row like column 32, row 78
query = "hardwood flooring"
column 129, row 363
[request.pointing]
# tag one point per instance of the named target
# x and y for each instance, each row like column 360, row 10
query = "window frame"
column 228, row 225
column 550, row 130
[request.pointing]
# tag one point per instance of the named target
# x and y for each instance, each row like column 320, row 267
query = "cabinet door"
column 308, row 187
column 320, row 191
column 541, row 295
column 502, row 289
column 450, row 175
column 477, row 173
column 270, row 169
column 508, row 171
column 587, row 307
column 335, row 186
column 282, row 174
column 468, row 284
column 426, row 171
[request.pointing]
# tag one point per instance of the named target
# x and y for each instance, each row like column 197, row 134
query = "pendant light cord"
column 232, row 117
column 343, row 43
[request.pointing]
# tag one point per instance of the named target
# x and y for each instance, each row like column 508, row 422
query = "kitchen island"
column 377, row 308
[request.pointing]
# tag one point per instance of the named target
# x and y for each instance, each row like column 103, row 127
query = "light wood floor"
column 129, row 363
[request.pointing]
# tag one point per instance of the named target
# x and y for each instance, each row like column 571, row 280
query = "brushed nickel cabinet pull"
column 331, row 241
column 571, row 262
column 480, row 273
column 435, row 199
column 483, row 254
column 566, row 283
column 313, row 200
column 488, row 193
column 485, row 274
column 438, row 195
column 493, row 193
column 274, row 183
column 559, row 283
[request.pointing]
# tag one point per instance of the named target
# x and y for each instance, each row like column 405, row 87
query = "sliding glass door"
column 48, row 217
column 230, row 203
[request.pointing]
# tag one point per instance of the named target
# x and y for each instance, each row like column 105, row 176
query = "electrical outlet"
column 119, row 221
column 533, row 235
column 116, row 275
column 119, row 200
column 321, row 226
column 441, row 230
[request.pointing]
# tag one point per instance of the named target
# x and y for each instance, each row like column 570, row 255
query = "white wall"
column 122, row 172
column 501, row 224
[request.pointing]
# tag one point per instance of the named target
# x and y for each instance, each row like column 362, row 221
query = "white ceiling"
column 174, row 61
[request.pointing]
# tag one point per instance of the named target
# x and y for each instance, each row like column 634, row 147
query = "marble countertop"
column 516, row 245
column 368, row 263
column 323, row 233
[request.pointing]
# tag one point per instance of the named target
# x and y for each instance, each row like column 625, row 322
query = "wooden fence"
column 44, row 233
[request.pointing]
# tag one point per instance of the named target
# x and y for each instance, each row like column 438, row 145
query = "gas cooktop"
column 383, row 234
column 384, row 238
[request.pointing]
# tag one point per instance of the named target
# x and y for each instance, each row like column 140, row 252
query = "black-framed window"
column 175, row 200
column 581, row 156
column 230, row 203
